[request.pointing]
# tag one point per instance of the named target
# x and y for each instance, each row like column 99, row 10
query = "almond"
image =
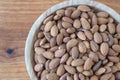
column 85, row 15
column 77, row 23
column 69, row 60
column 60, row 52
column 71, row 30
column 100, row 71
column 97, row 37
column 104, row 48
column 106, row 76
column 118, row 28
column 70, row 69
column 88, row 64
column 105, row 37
column 88, row 34
column 114, row 59
column 75, row 52
column 116, row 48
column 48, row 26
column 66, row 25
column 52, row 76
column 102, row 20
column 64, row 58
column 79, row 68
column 54, row 31
column 38, row 67
column 95, row 28
column 69, row 78
column 60, row 70
column 48, row 55
column 94, row 46
column 54, row 63
column 81, row 35
column 94, row 78
column 75, row 14
column 39, row 50
column 77, row 62
column 103, row 27
column 52, row 42
column 82, row 47
column 71, row 43
column 67, row 19
column 84, row 8
column 93, row 56
column 102, row 14
column 111, row 28
column 68, row 12
column 94, row 20
column 85, row 23
column 59, row 39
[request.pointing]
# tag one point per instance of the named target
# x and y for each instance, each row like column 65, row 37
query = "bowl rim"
column 32, row 33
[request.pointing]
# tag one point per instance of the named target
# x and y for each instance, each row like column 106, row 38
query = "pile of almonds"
column 78, row 43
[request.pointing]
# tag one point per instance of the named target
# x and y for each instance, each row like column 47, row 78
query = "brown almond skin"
column 52, row 76
column 77, row 23
column 70, row 30
column 94, row 20
column 85, row 23
column 106, row 76
column 54, row 31
column 100, row 71
column 88, row 64
column 111, row 28
column 59, row 39
column 71, row 43
column 60, row 52
column 38, row 67
column 48, row 26
column 77, row 62
column 104, row 48
column 54, row 63
column 82, row 47
column 81, row 76
column 116, row 48
column 67, row 19
column 39, row 50
column 105, row 37
column 66, row 25
column 97, row 37
column 102, row 20
column 83, row 8
column 68, row 12
column 52, row 42
column 88, row 34
column 93, row 56
column 102, row 14
column 95, row 28
column 94, row 78
column 81, row 35
column 69, row 78
column 60, row 70
column 64, row 58
column 75, row 14
column 114, row 59
column 94, row 46
column 48, row 55
column 75, row 52
column 70, row 69
column 103, row 27
column 118, row 28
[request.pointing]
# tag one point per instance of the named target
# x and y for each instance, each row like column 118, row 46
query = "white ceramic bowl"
column 32, row 34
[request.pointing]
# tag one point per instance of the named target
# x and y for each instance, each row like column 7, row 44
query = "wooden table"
column 16, row 19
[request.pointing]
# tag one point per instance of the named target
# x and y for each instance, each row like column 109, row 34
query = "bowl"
column 29, row 53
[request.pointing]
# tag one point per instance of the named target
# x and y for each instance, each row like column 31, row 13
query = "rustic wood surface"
column 16, row 19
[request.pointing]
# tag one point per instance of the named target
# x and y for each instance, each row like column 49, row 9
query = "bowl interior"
column 29, row 53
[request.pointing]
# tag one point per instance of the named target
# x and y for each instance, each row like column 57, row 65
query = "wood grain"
column 16, row 19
